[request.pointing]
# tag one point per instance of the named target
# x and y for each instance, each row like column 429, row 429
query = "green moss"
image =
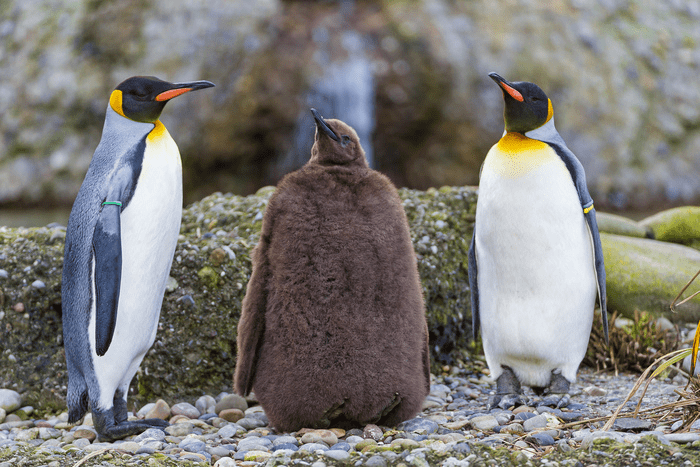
column 647, row 275
column 209, row 277
column 679, row 225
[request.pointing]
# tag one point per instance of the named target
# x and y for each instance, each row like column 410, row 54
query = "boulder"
column 646, row 275
column 679, row 225
column 619, row 225
column 195, row 348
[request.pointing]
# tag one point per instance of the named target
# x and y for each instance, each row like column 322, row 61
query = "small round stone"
column 231, row 401
column 186, row 409
column 231, row 415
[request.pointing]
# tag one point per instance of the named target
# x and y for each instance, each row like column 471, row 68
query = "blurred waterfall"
column 345, row 91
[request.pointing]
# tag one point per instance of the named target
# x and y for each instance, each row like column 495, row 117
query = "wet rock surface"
column 456, row 430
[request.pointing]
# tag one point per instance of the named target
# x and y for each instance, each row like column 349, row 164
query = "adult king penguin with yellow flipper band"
column 535, row 261
column 120, row 242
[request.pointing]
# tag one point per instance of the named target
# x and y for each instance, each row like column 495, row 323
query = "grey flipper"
column 474, row 286
column 107, row 251
column 579, row 178
column 107, row 245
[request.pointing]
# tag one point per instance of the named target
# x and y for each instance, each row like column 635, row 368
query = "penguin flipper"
column 474, row 286
column 578, row 176
column 599, row 266
column 251, row 326
column 107, row 253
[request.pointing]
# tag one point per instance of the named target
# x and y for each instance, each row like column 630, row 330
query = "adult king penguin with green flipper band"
column 535, row 261
column 120, row 243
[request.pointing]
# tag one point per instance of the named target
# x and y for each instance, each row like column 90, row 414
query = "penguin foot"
column 330, row 414
column 557, row 401
column 506, row 401
column 508, row 391
column 558, row 392
column 109, row 429
column 395, row 401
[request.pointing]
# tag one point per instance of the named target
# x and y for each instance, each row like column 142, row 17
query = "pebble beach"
column 453, row 429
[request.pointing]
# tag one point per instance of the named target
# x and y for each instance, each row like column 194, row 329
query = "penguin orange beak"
column 506, row 86
column 322, row 126
column 179, row 89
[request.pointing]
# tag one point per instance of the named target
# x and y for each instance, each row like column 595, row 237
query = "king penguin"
column 333, row 327
column 535, row 260
column 120, row 241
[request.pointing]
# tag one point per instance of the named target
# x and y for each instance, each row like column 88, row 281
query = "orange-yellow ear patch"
column 115, row 101
column 167, row 95
column 514, row 93
column 550, row 110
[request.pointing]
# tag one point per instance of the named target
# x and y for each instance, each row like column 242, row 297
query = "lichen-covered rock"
column 619, row 225
column 678, row 225
column 195, row 347
column 647, row 275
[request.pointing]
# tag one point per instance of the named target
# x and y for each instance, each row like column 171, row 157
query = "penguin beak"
column 178, row 89
column 506, row 86
column 322, row 126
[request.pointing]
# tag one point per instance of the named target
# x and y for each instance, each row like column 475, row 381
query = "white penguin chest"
column 535, row 262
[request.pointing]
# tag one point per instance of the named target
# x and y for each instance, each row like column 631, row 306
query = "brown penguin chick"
column 333, row 327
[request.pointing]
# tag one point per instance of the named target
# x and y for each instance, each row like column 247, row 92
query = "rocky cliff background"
column 411, row 76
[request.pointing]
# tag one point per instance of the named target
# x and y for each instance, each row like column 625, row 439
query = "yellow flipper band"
column 588, row 209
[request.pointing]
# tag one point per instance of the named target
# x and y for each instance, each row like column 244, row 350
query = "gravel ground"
column 454, row 429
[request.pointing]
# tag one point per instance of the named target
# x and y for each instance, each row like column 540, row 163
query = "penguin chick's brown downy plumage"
column 333, row 325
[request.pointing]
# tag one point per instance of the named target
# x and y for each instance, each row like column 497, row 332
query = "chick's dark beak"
column 322, row 126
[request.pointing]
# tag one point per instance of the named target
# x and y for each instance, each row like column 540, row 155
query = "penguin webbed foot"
column 109, row 429
column 506, row 401
column 508, row 391
column 329, row 415
column 558, row 392
column 395, row 401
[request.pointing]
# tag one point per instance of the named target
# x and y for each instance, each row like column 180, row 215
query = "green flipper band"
column 116, row 203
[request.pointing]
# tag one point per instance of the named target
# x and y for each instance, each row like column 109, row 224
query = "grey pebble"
column 337, row 454
column 192, row 444
column 341, row 446
column 285, row 439
column 3, row 274
column 418, row 425
column 378, row 461
column 219, row 451
column 186, row 409
column 152, row 434
column 204, row 403
column 254, row 444
column 230, row 430
column 37, row 284
column 538, row 421
column 484, row 422
column 541, row 439
column 313, row 447
column 249, row 423
column 9, row 401
column 683, row 438
column 285, row 447
column 631, row 424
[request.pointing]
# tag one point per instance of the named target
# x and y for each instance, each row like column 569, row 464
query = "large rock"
column 195, row 347
column 412, row 75
column 647, row 275
column 619, row 225
column 679, row 225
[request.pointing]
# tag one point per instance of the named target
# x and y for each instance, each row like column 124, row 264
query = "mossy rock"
column 195, row 348
column 619, row 225
column 647, row 275
column 678, row 225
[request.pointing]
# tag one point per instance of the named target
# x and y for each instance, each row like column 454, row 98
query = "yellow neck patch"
column 515, row 155
column 550, row 110
column 157, row 132
column 115, row 101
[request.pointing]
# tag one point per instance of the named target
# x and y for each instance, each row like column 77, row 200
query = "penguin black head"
column 336, row 143
column 142, row 98
column 527, row 106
